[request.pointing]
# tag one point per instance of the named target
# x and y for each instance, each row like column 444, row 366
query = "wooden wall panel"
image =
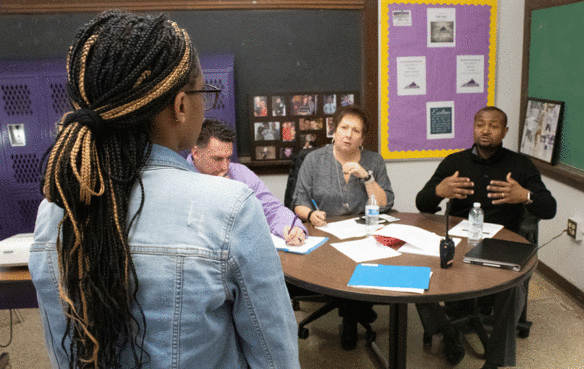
column 64, row 6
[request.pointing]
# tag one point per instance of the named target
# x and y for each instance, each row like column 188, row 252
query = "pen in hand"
column 315, row 206
column 293, row 238
column 320, row 215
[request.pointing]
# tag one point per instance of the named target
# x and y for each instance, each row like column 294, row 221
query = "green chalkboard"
column 556, row 72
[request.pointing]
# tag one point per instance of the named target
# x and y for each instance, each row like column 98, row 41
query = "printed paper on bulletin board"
column 437, row 69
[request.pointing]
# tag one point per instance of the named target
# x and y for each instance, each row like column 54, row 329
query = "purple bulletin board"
column 433, row 117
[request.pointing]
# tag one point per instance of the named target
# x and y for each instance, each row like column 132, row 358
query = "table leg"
column 398, row 335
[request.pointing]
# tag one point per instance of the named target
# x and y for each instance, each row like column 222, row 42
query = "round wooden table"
column 327, row 271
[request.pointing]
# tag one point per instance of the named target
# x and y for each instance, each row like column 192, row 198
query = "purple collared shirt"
column 277, row 215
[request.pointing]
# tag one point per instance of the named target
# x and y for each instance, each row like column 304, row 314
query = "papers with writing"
column 391, row 277
column 418, row 240
column 461, row 229
column 311, row 243
column 365, row 250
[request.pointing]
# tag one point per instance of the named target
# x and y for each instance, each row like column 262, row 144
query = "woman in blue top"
column 137, row 260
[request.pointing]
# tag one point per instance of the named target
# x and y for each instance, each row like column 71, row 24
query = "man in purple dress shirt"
column 212, row 155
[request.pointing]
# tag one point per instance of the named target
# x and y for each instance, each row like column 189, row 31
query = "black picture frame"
column 541, row 128
column 285, row 123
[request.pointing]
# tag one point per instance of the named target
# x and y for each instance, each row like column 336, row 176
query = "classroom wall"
column 563, row 255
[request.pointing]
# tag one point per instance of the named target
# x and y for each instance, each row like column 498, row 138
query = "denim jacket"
column 211, row 283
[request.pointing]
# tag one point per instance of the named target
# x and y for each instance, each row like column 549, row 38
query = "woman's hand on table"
column 318, row 218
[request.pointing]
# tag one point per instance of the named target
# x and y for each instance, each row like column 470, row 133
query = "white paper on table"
column 365, row 250
column 429, row 250
column 345, row 229
column 461, row 229
column 388, row 217
column 418, row 240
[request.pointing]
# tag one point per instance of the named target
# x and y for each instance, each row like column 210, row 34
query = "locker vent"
column 16, row 100
column 60, row 99
column 26, row 168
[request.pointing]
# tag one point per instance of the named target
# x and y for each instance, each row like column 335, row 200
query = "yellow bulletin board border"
column 384, row 70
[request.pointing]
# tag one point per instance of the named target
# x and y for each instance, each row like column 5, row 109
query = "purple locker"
column 26, row 130
column 33, row 99
column 218, row 71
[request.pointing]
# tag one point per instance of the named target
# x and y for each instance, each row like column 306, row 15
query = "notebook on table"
column 501, row 254
column 15, row 250
column 311, row 243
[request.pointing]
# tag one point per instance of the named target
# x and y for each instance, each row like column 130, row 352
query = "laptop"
column 501, row 254
column 15, row 250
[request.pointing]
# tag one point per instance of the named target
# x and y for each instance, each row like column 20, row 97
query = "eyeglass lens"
column 211, row 97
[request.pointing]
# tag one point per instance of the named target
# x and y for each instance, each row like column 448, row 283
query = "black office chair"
column 293, row 176
column 299, row 294
column 478, row 318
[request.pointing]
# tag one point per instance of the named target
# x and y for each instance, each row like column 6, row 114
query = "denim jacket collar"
column 163, row 156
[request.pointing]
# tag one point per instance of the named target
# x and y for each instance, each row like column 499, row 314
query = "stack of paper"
column 418, row 240
column 311, row 243
column 354, row 227
column 391, row 277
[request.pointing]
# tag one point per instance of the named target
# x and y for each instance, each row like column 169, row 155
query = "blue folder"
column 390, row 276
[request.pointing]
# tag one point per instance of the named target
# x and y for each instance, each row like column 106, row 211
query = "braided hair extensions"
column 123, row 69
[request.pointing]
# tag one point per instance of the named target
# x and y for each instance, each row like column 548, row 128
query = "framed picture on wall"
column 260, row 104
column 285, row 123
column 541, row 127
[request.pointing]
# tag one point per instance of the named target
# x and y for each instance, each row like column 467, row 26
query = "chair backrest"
column 529, row 226
column 293, row 176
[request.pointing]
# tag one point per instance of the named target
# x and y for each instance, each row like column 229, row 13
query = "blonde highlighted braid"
column 123, row 70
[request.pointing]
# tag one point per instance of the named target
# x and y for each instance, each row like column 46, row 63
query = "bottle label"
column 371, row 210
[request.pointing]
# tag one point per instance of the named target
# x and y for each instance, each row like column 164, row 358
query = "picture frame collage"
column 543, row 120
column 282, row 124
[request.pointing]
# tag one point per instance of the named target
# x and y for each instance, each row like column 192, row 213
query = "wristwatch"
column 529, row 198
column 369, row 177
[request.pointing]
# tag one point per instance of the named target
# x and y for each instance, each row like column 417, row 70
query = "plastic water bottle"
column 475, row 218
column 371, row 215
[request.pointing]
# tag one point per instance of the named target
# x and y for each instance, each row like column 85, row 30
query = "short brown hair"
column 215, row 128
column 350, row 110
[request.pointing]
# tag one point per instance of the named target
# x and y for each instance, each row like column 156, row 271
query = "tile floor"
column 556, row 339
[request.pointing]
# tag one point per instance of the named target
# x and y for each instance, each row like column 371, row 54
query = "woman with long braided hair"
column 137, row 260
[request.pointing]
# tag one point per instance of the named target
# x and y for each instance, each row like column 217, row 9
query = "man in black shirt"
column 505, row 183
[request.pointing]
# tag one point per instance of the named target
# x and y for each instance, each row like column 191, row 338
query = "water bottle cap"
column 477, row 204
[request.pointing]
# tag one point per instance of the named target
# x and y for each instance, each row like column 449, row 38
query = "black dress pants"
column 507, row 309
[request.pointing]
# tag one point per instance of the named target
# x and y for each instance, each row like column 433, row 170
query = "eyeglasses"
column 210, row 95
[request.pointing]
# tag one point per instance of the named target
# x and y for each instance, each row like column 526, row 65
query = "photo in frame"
column 278, row 106
column 260, row 106
column 286, row 153
column 265, row 152
column 330, row 127
column 541, row 128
